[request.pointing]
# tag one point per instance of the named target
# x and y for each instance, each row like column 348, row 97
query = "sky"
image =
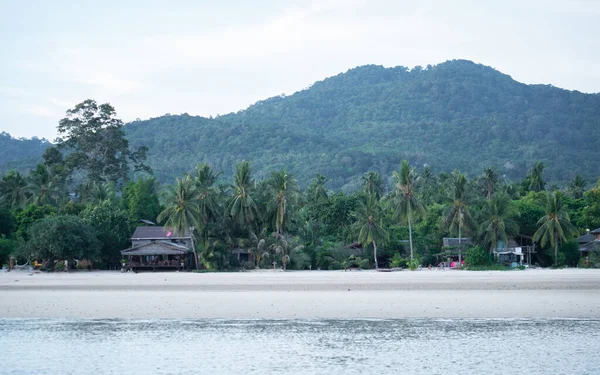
column 148, row 58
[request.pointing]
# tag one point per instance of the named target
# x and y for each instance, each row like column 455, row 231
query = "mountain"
column 455, row 115
column 20, row 153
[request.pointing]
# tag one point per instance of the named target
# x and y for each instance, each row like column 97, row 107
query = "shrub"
column 477, row 256
column 413, row 264
column 59, row 266
column 396, row 261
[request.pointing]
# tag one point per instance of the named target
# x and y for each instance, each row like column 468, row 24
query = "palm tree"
column 555, row 225
column 577, row 186
column 369, row 224
column 489, row 180
column 207, row 192
column 283, row 187
column 182, row 211
column 242, row 207
column 259, row 245
column 43, row 187
column 458, row 214
column 536, row 181
column 428, row 184
column 373, row 184
column 405, row 203
column 13, row 190
column 498, row 220
column 317, row 191
column 282, row 249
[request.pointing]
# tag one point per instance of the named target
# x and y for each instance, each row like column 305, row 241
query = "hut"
column 159, row 248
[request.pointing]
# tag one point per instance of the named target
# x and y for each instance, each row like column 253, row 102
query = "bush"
column 59, row 267
column 413, row 264
column 396, row 261
column 477, row 256
column 570, row 251
column 489, row 267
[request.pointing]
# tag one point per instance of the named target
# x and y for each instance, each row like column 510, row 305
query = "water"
column 410, row 346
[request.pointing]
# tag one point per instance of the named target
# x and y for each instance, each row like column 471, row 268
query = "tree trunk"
column 459, row 245
column 194, row 250
column 556, row 252
column 410, row 238
column 375, row 254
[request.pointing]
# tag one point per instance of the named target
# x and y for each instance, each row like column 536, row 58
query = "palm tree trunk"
column 375, row 254
column 556, row 252
column 459, row 245
column 410, row 238
column 194, row 249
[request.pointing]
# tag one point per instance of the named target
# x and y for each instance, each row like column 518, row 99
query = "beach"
column 568, row 293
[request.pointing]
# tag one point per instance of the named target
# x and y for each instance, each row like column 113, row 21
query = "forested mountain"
column 455, row 115
column 20, row 153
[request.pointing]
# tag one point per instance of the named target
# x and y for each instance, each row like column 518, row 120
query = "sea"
column 405, row 346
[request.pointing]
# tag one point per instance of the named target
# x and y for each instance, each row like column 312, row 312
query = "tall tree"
column 536, row 180
column 317, row 192
column 405, row 203
column 369, row 225
column 498, row 221
column 13, row 190
column 283, row 189
column 373, row 184
column 43, row 187
column 205, row 181
column 242, row 206
column 555, row 225
column 489, row 180
column 95, row 143
column 577, row 186
column 182, row 208
column 458, row 216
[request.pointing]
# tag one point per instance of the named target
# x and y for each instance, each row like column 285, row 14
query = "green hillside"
column 20, row 153
column 455, row 115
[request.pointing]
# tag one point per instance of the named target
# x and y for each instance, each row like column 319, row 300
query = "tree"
column 140, row 199
column 43, row 187
column 30, row 215
column 536, row 181
column 182, row 206
column 61, row 237
column 555, row 226
column 498, row 221
column 8, row 223
column 182, row 209
column 112, row 229
column 577, row 187
column 317, row 192
column 283, row 249
column 373, row 184
column 13, row 190
column 458, row 216
column 369, row 225
column 95, row 143
column 489, row 180
column 242, row 207
column 404, row 201
column 283, row 189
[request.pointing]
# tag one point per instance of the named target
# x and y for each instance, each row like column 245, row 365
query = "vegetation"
column 337, row 178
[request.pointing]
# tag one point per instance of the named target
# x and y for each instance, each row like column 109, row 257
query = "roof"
column 590, row 246
column 156, row 233
column 156, row 248
column 453, row 242
column 595, row 231
column 586, row 238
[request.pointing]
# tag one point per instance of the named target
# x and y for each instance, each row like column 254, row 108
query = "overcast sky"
column 148, row 58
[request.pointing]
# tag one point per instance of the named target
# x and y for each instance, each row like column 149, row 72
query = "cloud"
column 44, row 111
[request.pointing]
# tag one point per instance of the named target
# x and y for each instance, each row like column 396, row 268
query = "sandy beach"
column 306, row 294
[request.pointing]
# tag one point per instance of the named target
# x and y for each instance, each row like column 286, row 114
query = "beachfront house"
column 589, row 242
column 158, row 248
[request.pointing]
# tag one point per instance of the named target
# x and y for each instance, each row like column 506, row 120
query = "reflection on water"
column 410, row 346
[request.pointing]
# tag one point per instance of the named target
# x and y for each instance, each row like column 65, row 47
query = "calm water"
column 412, row 346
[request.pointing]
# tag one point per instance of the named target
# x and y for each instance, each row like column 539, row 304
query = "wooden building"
column 158, row 248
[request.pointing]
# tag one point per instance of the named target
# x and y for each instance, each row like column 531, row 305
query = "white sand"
column 316, row 294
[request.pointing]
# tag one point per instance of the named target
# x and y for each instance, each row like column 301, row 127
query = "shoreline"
column 569, row 293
